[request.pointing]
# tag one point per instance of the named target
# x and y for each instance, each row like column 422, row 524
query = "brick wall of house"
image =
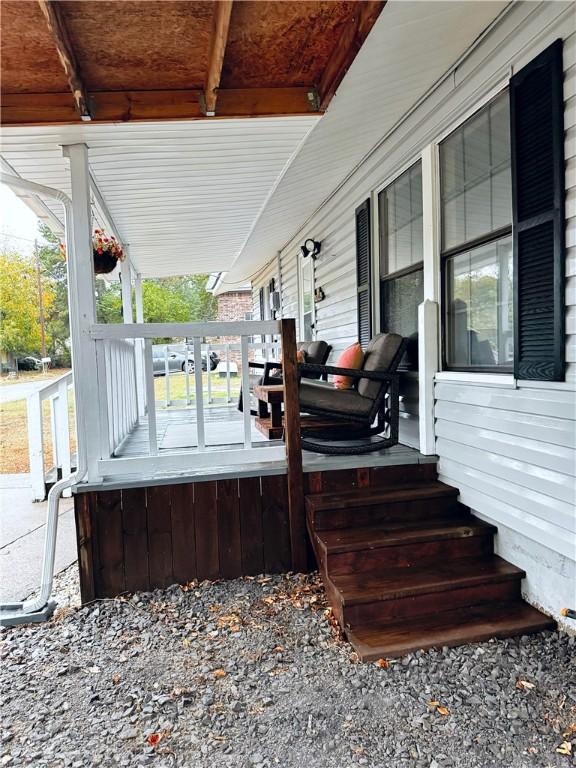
column 233, row 306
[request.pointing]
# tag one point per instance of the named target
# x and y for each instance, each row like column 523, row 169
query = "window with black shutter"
column 502, row 217
column 537, row 120
column 363, row 272
column 261, row 302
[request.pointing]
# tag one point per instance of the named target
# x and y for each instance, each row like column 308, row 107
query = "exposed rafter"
column 126, row 106
column 53, row 13
column 366, row 14
column 222, row 13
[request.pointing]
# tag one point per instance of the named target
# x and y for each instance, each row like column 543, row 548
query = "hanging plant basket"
column 106, row 252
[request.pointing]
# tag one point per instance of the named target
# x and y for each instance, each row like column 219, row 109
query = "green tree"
column 19, row 305
column 55, row 272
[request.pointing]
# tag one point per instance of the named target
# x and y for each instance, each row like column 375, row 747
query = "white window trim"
column 301, row 263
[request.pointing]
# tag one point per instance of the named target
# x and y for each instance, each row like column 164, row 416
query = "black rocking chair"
column 357, row 420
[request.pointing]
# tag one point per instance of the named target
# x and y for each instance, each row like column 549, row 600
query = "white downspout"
column 40, row 608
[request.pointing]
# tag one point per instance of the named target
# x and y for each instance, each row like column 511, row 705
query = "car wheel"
column 190, row 364
column 213, row 365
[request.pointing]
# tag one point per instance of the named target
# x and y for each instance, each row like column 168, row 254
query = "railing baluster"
column 36, row 446
column 208, row 377
column 166, row 378
column 63, row 432
column 246, row 391
column 228, row 395
column 102, row 372
column 199, row 394
column 187, row 374
column 53, row 433
column 150, row 398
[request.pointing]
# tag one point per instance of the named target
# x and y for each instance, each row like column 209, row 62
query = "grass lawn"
column 27, row 376
column 178, row 388
column 14, row 435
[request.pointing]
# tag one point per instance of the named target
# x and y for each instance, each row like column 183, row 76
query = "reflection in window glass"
column 479, row 307
column 400, row 217
column 400, row 298
column 476, row 177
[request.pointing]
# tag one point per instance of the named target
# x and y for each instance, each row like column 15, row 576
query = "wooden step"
column 368, row 506
column 394, row 545
column 468, row 625
column 397, row 593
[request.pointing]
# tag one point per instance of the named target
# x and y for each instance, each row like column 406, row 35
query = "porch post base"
column 11, row 615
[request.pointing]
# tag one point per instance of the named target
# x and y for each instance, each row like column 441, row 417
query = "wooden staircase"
column 408, row 567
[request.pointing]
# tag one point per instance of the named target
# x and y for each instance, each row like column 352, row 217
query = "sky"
column 18, row 224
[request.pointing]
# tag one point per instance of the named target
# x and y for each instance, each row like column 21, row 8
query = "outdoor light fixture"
column 310, row 248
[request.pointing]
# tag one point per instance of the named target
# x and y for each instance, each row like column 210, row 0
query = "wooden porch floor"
column 177, row 433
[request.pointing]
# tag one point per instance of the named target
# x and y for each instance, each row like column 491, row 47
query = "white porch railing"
column 120, row 389
column 56, row 392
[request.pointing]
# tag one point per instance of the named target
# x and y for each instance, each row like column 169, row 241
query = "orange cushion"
column 352, row 357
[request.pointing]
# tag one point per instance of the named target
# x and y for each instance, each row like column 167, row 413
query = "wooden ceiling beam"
column 53, row 14
column 347, row 48
column 132, row 106
column 222, row 13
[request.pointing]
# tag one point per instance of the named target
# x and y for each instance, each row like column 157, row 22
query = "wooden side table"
column 273, row 395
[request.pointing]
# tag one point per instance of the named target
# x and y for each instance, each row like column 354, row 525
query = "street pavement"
column 22, row 528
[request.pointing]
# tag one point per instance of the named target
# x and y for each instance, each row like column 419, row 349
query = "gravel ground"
column 252, row 674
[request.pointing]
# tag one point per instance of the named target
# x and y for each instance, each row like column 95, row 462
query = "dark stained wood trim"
column 133, row 106
column 56, row 24
column 158, row 505
column 347, row 48
column 183, row 515
column 221, row 25
column 206, row 516
column 84, row 513
column 135, row 527
column 229, row 542
column 296, row 512
column 277, row 544
column 251, row 531
column 110, row 575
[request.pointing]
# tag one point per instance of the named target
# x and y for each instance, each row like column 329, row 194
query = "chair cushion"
column 352, row 357
column 315, row 351
column 380, row 353
column 323, row 396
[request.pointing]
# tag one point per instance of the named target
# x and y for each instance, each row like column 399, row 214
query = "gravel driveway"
column 251, row 673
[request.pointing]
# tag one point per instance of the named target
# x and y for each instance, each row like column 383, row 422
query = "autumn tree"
column 20, row 332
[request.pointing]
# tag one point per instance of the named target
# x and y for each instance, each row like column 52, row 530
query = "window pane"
column 400, row 221
column 400, row 298
column 476, row 192
column 479, row 305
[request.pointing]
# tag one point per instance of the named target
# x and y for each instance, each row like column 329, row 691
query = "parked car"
column 178, row 359
column 29, row 363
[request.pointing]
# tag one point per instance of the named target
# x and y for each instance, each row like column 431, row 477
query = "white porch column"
column 82, row 309
column 126, row 284
column 140, row 367
column 428, row 311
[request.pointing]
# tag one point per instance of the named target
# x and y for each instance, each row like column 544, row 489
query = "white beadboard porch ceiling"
column 409, row 49
column 183, row 195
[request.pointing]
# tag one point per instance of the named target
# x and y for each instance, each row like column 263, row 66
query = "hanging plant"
column 106, row 252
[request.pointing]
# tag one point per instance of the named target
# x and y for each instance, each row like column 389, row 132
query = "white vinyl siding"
column 508, row 448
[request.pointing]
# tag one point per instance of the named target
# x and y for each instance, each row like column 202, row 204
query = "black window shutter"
column 364, row 272
column 261, row 302
column 537, row 135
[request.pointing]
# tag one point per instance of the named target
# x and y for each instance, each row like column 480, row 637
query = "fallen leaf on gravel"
column 186, row 642
column 219, row 673
column 382, row 663
column 115, row 679
column 264, row 580
column 565, row 748
column 524, row 685
column 354, row 658
column 443, row 711
column 278, row 649
column 433, row 704
column 214, row 608
column 155, row 738
column 570, row 730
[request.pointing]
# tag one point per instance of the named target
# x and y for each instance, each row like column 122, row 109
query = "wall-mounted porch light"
column 310, row 248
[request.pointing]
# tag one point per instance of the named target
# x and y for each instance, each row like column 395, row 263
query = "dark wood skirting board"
column 146, row 538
